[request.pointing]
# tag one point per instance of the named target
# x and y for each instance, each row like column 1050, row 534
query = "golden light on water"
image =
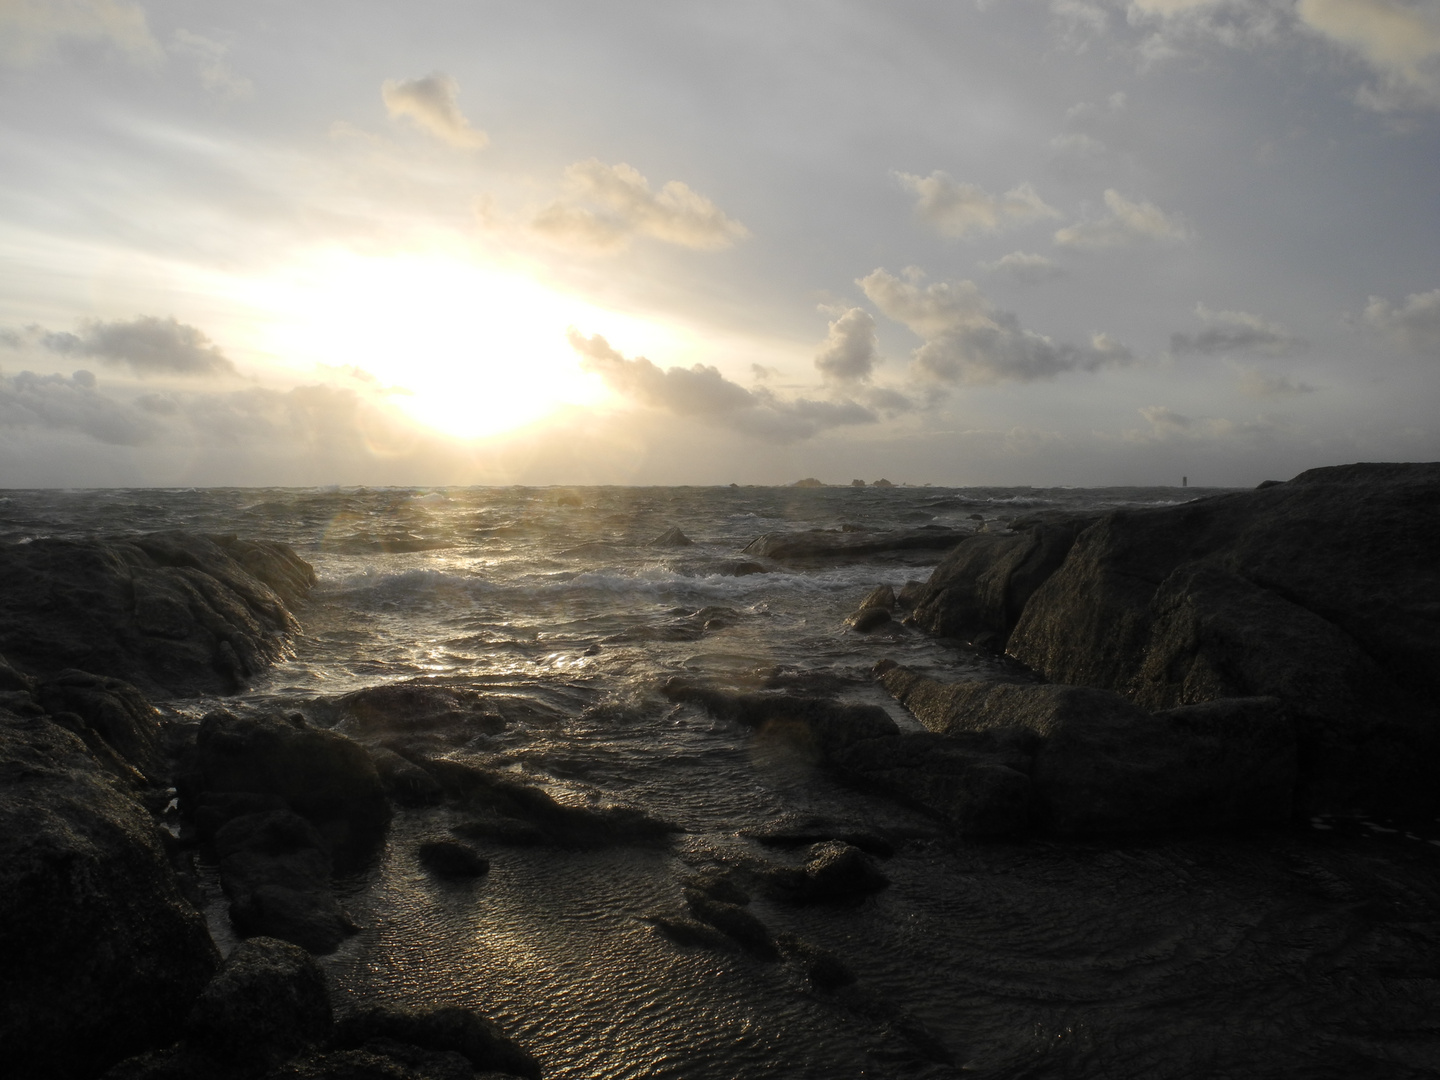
column 468, row 350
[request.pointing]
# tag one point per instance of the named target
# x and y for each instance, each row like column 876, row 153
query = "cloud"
column 1128, row 223
column 70, row 403
column 1236, row 331
column 1167, row 425
column 1024, row 269
column 147, row 345
column 30, row 29
column 209, row 57
column 1398, row 40
column 430, row 102
column 607, row 205
column 701, row 392
column 1260, row 385
column 966, row 339
column 1415, row 324
column 850, row 351
column 957, row 209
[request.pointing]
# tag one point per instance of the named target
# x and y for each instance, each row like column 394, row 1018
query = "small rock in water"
column 867, row 619
column 450, row 859
column 672, row 537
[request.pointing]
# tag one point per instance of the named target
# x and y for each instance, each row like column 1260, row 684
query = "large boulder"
column 1099, row 763
column 175, row 614
column 102, row 955
column 321, row 775
column 1323, row 592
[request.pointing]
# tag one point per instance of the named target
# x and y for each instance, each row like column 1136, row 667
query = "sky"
column 1004, row 242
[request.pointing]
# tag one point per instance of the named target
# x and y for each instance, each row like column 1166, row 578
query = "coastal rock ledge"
column 1322, row 592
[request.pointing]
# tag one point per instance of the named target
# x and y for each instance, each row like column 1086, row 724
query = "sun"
column 470, row 350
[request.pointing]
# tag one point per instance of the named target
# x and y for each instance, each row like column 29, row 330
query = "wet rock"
column 266, row 1004
column 979, row 589
column 449, row 1029
column 102, row 954
column 449, row 859
column 1101, row 763
column 508, row 810
column 822, row 723
column 820, row 545
column 171, row 613
column 1319, row 591
column 867, row 619
column 691, row 933
column 882, row 596
column 824, row 969
column 734, row 922
column 718, row 884
column 808, row 832
column 672, row 537
column 275, row 868
column 414, row 708
column 909, row 595
column 118, row 725
column 405, row 782
column 321, row 775
column 836, row 870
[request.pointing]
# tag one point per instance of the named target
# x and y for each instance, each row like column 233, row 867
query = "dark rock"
column 719, row 885
column 267, row 1003
column 379, row 1059
column 836, row 870
column 102, row 954
column 882, row 596
column 882, row 483
column 734, row 922
column 824, row 969
column 405, row 782
column 672, row 537
column 857, row 483
column 807, row 833
column 1101, row 763
column 822, row 723
column 171, row 613
column 981, row 587
column 457, row 1030
column 214, row 808
column 120, row 728
column 275, row 868
column 808, row 482
column 414, row 708
column 508, row 810
column 692, row 933
column 448, row 859
column 1323, row 591
column 820, row 545
column 909, row 595
column 868, row 619
column 321, row 775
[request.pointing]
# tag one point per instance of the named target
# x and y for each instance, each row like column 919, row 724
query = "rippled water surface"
column 1187, row 957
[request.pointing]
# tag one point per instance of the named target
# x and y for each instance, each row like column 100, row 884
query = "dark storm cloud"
column 70, row 403
column 147, row 345
column 700, row 391
column 966, row 339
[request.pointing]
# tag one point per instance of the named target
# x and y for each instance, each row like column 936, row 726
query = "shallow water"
column 1281, row 954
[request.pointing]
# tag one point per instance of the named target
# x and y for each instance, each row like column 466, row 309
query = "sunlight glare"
column 471, row 351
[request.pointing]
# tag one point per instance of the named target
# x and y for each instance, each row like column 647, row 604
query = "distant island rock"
column 808, row 482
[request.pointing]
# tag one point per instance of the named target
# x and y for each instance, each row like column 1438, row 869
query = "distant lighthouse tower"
column 1184, row 481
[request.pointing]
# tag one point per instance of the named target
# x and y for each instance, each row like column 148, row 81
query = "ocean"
column 1035, row 959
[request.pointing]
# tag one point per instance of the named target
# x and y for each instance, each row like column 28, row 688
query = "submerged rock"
column 449, row 859
column 172, row 613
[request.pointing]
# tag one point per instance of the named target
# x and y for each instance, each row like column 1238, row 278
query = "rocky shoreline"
column 1224, row 668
